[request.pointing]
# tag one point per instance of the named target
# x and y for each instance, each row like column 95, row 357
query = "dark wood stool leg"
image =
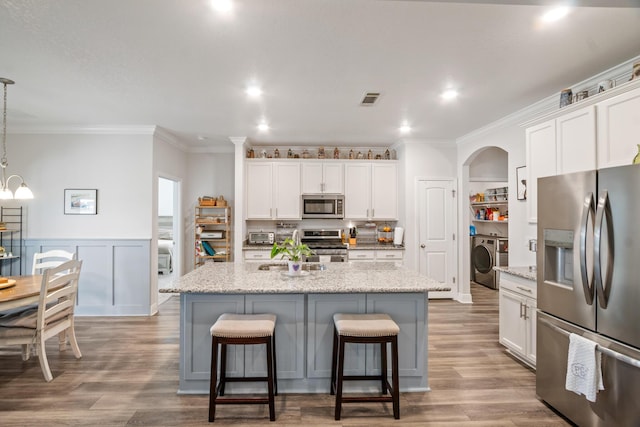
column 275, row 364
column 395, row 379
column 213, row 380
column 340, row 377
column 383, row 366
column 270, row 372
column 333, row 362
column 223, row 367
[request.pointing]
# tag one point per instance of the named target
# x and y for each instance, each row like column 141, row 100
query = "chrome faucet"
column 295, row 236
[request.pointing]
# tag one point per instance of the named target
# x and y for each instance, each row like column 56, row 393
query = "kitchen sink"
column 284, row 267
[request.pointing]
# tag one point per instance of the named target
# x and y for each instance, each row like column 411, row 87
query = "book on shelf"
column 208, row 249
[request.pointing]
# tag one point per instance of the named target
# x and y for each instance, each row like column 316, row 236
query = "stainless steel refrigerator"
column 589, row 283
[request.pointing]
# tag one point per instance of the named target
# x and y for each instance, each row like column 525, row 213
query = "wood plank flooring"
column 128, row 375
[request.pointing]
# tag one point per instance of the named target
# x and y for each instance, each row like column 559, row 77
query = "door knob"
column 423, row 246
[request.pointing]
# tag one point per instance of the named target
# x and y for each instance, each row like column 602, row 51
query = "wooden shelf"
column 489, row 220
column 491, row 203
column 212, row 219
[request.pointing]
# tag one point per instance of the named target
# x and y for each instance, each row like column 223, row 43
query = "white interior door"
column 436, row 223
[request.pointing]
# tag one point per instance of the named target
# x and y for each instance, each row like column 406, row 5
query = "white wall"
column 118, row 166
column 425, row 159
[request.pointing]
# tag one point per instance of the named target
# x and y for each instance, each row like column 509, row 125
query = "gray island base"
column 304, row 307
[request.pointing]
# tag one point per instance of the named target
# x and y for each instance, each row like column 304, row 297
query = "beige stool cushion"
column 365, row 325
column 244, row 325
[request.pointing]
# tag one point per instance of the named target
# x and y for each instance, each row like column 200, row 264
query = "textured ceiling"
column 179, row 65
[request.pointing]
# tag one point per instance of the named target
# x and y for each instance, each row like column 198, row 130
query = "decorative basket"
column 221, row 202
column 207, row 201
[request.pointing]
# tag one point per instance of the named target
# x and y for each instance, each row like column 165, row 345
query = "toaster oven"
column 261, row 237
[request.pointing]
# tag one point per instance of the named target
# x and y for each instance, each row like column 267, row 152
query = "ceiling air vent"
column 370, row 98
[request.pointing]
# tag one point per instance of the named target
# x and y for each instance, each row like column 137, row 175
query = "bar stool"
column 242, row 329
column 365, row 329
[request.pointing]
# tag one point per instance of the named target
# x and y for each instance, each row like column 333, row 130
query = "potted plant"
column 292, row 252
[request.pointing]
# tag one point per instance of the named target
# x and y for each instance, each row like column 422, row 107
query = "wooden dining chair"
column 53, row 258
column 52, row 316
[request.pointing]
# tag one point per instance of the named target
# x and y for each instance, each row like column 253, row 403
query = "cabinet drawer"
column 257, row 255
column 519, row 285
column 362, row 255
column 389, row 254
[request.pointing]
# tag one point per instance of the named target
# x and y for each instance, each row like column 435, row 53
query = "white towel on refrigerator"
column 584, row 367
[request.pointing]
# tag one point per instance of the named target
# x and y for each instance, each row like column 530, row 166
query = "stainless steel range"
column 326, row 244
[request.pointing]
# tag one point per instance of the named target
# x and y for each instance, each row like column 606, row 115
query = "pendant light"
column 22, row 192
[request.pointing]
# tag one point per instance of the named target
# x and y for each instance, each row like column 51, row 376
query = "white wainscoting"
column 115, row 279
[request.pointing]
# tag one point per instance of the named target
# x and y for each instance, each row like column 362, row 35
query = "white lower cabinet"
column 393, row 255
column 256, row 255
column 518, row 305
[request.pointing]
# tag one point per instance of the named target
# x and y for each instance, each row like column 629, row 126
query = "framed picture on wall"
column 80, row 201
column 521, row 181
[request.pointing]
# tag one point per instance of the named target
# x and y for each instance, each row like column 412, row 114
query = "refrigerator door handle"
column 588, row 211
column 603, row 286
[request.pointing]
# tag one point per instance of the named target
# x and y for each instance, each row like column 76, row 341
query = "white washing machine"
column 488, row 252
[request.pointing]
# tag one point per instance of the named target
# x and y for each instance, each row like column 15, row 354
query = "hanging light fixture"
column 22, row 192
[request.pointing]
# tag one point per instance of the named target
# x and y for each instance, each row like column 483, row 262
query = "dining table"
column 25, row 292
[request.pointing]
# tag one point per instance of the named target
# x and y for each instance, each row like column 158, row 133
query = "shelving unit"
column 478, row 205
column 11, row 241
column 212, row 234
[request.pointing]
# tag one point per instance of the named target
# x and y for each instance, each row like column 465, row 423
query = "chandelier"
column 22, row 192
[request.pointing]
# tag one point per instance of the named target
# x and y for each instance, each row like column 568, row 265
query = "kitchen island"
column 304, row 307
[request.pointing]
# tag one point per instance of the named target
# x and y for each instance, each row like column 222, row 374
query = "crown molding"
column 165, row 136
column 84, row 130
column 550, row 105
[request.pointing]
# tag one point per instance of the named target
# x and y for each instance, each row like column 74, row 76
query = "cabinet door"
column 333, row 178
column 618, row 129
column 287, row 191
column 256, row 255
column 290, row 356
column 541, row 161
column 531, row 330
column 576, row 141
column 512, row 327
column 321, row 309
column 408, row 311
column 259, row 191
column 384, row 191
column 357, row 190
column 312, row 178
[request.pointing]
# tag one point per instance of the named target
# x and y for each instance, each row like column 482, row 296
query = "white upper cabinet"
column 273, row 190
column 259, row 191
column 384, row 191
column 322, row 177
column 618, row 129
column 357, row 190
column 566, row 144
column 576, row 141
column 371, row 190
column 541, row 161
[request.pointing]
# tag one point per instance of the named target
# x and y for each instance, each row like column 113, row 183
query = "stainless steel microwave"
column 323, row 206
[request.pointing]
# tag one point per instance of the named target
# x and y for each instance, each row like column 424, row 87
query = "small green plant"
column 289, row 250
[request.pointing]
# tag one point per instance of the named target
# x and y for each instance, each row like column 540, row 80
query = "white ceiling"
column 179, row 65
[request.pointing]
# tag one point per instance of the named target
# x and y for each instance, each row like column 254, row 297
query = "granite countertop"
column 524, row 272
column 245, row 278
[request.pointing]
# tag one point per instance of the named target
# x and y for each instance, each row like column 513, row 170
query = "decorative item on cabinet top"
column 321, row 153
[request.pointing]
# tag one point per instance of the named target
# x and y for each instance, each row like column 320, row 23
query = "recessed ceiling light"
column 405, row 128
column 263, row 127
column 222, row 6
column 449, row 94
column 254, row 91
column 202, row 138
column 555, row 14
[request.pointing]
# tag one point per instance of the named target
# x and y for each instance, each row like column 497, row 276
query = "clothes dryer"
column 488, row 252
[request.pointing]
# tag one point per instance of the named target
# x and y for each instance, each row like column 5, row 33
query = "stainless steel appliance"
column 326, row 244
column 589, row 284
column 488, row 252
column 323, row 206
column 261, row 237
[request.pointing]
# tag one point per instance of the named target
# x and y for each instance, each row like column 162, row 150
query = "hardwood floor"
column 128, row 375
